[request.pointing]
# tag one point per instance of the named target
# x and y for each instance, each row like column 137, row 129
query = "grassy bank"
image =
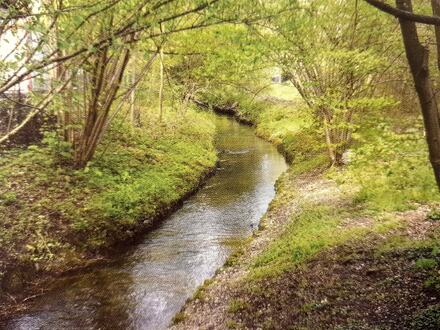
column 348, row 248
column 53, row 218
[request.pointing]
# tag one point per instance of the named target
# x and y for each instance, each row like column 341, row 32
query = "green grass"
column 400, row 243
column 277, row 122
column 308, row 233
column 426, row 263
column 237, row 247
column 200, row 292
column 390, row 171
column 284, row 91
column 50, row 213
column 316, row 228
column 237, row 305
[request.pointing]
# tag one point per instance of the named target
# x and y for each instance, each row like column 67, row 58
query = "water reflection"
column 144, row 289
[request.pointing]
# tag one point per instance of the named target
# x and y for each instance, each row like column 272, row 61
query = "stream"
column 145, row 287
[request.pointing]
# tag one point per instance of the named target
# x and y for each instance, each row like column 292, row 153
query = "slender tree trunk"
column 64, row 115
column 417, row 56
column 105, row 82
column 161, row 77
column 335, row 151
column 11, row 117
column 328, row 140
column 435, row 4
column 134, row 113
column 335, row 146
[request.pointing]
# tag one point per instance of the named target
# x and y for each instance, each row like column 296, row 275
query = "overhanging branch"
column 399, row 13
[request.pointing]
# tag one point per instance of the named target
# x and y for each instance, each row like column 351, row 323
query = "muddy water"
column 145, row 287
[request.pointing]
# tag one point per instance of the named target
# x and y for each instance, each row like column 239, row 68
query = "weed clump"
column 429, row 319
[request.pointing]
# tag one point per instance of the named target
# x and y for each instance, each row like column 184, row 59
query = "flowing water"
column 145, row 287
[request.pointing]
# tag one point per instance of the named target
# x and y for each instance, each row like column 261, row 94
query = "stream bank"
column 55, row 220
column 144, row 287
column 319, row 262
column 339, row 248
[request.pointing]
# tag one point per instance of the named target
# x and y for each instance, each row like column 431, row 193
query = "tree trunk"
column 106, row 78
column 417, row 56
column 335, row 145
column 435, row 4
column 134, row 111
column 161, row 77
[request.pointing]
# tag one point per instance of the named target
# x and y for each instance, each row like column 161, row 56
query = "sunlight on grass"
column 315, row 229
column 284, row 91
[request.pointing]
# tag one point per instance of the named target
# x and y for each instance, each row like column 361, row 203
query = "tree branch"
column 403, row 14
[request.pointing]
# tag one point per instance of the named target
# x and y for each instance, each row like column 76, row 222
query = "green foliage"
column 237, row 305
column 315, row 229
column 434, row 215
column 8, row 198
column 61, row 151
column 426, row 263
column 391, row 169
column 279, row 121
column 159, row 173
column 333, row 73
column 429, row 319
column 51, row 212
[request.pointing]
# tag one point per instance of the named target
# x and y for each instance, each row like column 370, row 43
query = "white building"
column 16, row 43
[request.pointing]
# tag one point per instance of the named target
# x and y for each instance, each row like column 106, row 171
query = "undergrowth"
column 390, row 170
column 315, row 228
column 51, row 213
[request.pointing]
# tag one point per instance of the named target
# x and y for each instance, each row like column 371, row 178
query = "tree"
column 90, row 55
column 418, row 59
column 334, row 64
column 77, row 42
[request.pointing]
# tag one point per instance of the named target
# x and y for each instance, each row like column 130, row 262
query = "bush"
column 391, row 170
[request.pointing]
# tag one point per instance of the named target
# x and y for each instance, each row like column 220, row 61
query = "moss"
column 238, row 247
column 179, row 317
column 200, row 292
column 426, row 263
column 432, row 283
column 434, row 215
column 237, row 305
column 8, row 198
column 399, row 243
